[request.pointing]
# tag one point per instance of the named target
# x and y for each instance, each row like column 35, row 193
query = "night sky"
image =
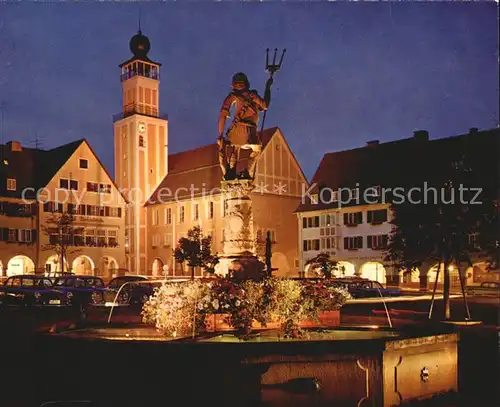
column 353, row 72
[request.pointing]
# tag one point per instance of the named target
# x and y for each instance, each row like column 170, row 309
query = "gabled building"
column 37, row 186
column 169, row 194
column 190, row 196
column 346, row 211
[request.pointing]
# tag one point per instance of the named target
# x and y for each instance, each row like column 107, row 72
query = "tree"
column 196, row 251
column 269, row 254
column 325, row 263
column 61, row 231
column 443, row 229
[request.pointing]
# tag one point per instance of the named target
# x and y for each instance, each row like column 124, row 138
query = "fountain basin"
column 341, row 367
column 216, row 323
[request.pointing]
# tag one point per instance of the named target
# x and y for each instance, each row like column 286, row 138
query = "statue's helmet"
column 240, row 81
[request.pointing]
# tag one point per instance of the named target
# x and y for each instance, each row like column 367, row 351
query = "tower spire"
column 140, row 32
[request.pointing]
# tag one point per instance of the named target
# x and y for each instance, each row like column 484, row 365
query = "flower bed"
column 222, row 304
column 328, row 319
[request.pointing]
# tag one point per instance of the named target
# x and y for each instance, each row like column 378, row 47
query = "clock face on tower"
column 141, row 127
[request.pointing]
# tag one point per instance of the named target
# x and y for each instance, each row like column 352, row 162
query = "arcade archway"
column 157, row 268
column 83, row 265
column 280, row 262
column 409, row 277
column 20, row 265
column 454, row 276
column 108, row 267
column 53, row 263
column 374, row 271
column 345, row 269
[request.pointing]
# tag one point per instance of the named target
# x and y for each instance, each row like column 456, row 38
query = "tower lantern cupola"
column 140, row 77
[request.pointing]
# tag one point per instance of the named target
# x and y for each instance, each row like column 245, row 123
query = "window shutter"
column 346, row 242
column 360, row 242
column 33, row 235
column 17, row 235
column 369, row 241
column 369, row 218
column 304, row 223
column 304, row 245
column 359, row 217
column 316, row 221
column 346, row 219
column 119, row 212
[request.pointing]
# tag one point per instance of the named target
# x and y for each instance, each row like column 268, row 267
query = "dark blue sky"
column 353, row 71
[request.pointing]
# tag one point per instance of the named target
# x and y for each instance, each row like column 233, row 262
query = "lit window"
column 196, row 212
column 84, row 164
column 377, row 216
column 377, row 242
column 12, row 237
column 210, row 210
column 167, row 239
column 353, row 243
column 168, row 216
column 105, row 188
column 63, row 183
column 11, row 184
column 25, row 235
column 353, row 218
column 181, row 214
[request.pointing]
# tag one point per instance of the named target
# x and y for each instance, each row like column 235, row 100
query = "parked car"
column 80, row 290
column 31, row 291
column 491, row 288
column 136, row 291
column 363, row 288
column 55, row 274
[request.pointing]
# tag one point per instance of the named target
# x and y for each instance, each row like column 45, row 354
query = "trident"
column 272, row 69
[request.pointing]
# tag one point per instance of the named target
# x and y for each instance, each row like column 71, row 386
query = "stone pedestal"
column 238, row 258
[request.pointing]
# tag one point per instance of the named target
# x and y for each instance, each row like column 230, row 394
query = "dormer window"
column 11, row 184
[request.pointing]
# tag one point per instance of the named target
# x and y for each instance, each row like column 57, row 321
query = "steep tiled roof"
column 388, row 164
column 197, row 170
column 31, row 167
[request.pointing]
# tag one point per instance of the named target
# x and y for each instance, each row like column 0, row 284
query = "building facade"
column 190, row 196
column 347, row 213
column 40, row 186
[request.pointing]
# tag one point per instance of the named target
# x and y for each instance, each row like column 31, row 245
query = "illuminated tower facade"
column 141, row 145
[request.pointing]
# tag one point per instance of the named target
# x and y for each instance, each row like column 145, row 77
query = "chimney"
column 473, row 131
column 15, row 146
column 372, row 143
column 421, row 135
